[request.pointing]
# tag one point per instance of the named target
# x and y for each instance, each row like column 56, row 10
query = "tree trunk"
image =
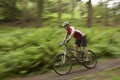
column 25, row 11
column 40, row 5
column 73, row 5
column 89, row 20
column 59, row 10
column 25, row 14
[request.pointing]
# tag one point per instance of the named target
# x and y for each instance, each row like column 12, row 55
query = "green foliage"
column 22, row 11
column 22, row 50
column 9, row 10
column 105, row 41
column 106, row 15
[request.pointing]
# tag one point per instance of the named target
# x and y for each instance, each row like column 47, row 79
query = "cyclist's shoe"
column 73, row 59
column 61, row 44
column 87, row 59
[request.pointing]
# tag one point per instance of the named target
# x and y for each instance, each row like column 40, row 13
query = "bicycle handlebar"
column 65, row 44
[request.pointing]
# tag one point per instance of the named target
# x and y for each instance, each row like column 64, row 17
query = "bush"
column 23, row 50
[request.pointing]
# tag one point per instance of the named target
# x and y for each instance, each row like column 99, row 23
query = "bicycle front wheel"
column 61, row 65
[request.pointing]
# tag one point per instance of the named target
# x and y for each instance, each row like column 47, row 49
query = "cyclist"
column 78, row 35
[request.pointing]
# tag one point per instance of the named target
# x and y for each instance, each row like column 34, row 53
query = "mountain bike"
column 62, row 62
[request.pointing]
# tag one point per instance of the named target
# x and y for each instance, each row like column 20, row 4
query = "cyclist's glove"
column 67, row 40
column 61, row 44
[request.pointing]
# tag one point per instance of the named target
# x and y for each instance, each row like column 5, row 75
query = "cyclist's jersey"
column 77, row 33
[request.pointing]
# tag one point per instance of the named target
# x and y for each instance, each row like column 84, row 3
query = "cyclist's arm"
column 72, row 33
column 66, row 36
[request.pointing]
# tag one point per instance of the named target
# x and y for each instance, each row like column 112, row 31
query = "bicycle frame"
column 69, row 50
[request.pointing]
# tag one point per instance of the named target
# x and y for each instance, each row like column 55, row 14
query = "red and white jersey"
column 77, row 33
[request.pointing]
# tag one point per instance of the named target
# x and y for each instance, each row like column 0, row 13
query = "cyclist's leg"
column 75, row 48
column 84, row 47
column 76, row 45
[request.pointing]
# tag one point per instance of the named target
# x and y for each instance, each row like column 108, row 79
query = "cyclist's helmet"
column 65, row 23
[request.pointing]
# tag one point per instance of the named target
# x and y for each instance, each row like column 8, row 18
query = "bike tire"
column 93, row 60
column 61, row 69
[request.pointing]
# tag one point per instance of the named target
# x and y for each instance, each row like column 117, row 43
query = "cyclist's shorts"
column 81, row 42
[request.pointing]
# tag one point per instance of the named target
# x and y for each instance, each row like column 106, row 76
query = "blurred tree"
column 59, row 9
column 89, row 20
column 116, row 13
column 50, row 10
column 73, row 6
column 25, row 12
column 106, row 15
column 83, row 11
column 10, row 12
column 40, row 6
column 28, row 9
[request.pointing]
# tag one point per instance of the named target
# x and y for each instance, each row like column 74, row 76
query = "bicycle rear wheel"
column 60, row 66
column 92, row 62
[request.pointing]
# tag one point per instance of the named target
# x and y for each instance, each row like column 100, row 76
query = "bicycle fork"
column 64, row 57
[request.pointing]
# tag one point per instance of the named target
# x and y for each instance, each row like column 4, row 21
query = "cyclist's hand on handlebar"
column 67, row 40
column 61, row 44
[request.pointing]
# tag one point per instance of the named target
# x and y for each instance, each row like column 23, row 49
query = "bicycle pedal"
column 81, row 61
column 73, row 59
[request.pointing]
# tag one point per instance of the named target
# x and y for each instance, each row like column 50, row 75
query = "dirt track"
column 101, row 66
